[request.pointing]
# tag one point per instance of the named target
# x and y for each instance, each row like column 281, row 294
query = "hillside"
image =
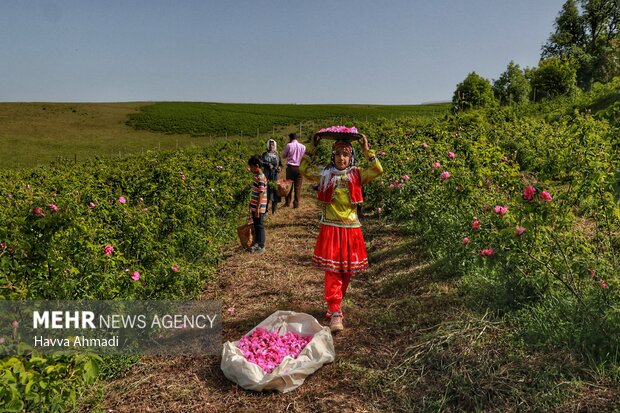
column 410, row 344
column 493, row 237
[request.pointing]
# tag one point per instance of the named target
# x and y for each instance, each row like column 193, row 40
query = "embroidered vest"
column 354, row 183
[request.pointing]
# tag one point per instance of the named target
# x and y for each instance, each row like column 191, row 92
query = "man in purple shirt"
column 293, row 152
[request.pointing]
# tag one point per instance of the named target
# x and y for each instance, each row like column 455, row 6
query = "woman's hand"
column 365, row 144
column 316, row 139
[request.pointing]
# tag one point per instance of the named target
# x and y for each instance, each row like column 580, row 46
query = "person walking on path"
column 272, row 165
column 340, row 250
column 293, row 152
column 258, row 203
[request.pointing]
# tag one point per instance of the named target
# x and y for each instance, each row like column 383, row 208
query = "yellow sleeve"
column 307, row 168
column 374, row 168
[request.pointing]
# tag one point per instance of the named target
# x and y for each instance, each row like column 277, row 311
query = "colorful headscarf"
column 342, row 145
column 275, row 145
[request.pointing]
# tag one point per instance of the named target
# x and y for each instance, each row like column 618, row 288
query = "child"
column 258, row 203
column 340, row 249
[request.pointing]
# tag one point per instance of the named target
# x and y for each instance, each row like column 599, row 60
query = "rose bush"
column 146, row 227
column 519, row 208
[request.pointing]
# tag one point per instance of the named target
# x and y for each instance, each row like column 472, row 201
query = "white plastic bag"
column 291, row 372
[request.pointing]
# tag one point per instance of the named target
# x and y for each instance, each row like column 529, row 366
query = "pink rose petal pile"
column 267, row 349
column 339, row 129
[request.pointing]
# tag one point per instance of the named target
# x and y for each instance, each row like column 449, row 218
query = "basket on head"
column 339, row 133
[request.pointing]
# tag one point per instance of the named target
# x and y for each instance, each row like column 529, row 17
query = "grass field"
column 215, row 119
column 34, row 134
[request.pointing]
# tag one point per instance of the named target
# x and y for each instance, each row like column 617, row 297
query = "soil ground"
column 409, row 343
column 255, row 286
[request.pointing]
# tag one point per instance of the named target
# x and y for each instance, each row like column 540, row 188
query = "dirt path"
column 255, row 286
column 409, row 344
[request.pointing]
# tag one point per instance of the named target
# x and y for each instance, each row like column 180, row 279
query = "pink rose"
column 122, row 200
column 501, row 210
column 465, row 241
column 15, row 323
column 436, row 165
column 391, row 186
column 451, row 155
column 544, row 195
column 475, row 224
column 268, row 348
column 339, row 129
column 405, row 178
column 379, row 211
column 504, row 159
column 230, row 310
column 38, row 212
column 425, row 145
column 108, row 250
column 53, row 207
column 487, row 252
column 528, row 193
column 135, row 275
column 183, row 177
column 174, row 268
column 520, row 230
column 444, row 175
column 603, row 284
column 92, row 205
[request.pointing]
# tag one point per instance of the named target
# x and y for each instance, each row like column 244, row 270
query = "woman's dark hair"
column 255, row 160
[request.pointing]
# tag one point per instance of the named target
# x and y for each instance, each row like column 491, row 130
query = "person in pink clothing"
column 293, row 152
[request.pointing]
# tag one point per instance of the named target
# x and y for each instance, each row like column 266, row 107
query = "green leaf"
column 14, row 405
column 91, row 370
column 28, row 386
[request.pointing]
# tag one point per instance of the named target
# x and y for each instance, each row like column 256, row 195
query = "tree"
column 569, row 32
column 587, row 32
column 474, row 91
column 553, row 77
column 512, row 86
column 601, row 18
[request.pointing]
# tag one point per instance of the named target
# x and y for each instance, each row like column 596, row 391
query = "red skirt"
column 341, row 250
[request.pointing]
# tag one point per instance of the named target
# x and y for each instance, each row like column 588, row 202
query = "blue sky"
column 262, row 51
